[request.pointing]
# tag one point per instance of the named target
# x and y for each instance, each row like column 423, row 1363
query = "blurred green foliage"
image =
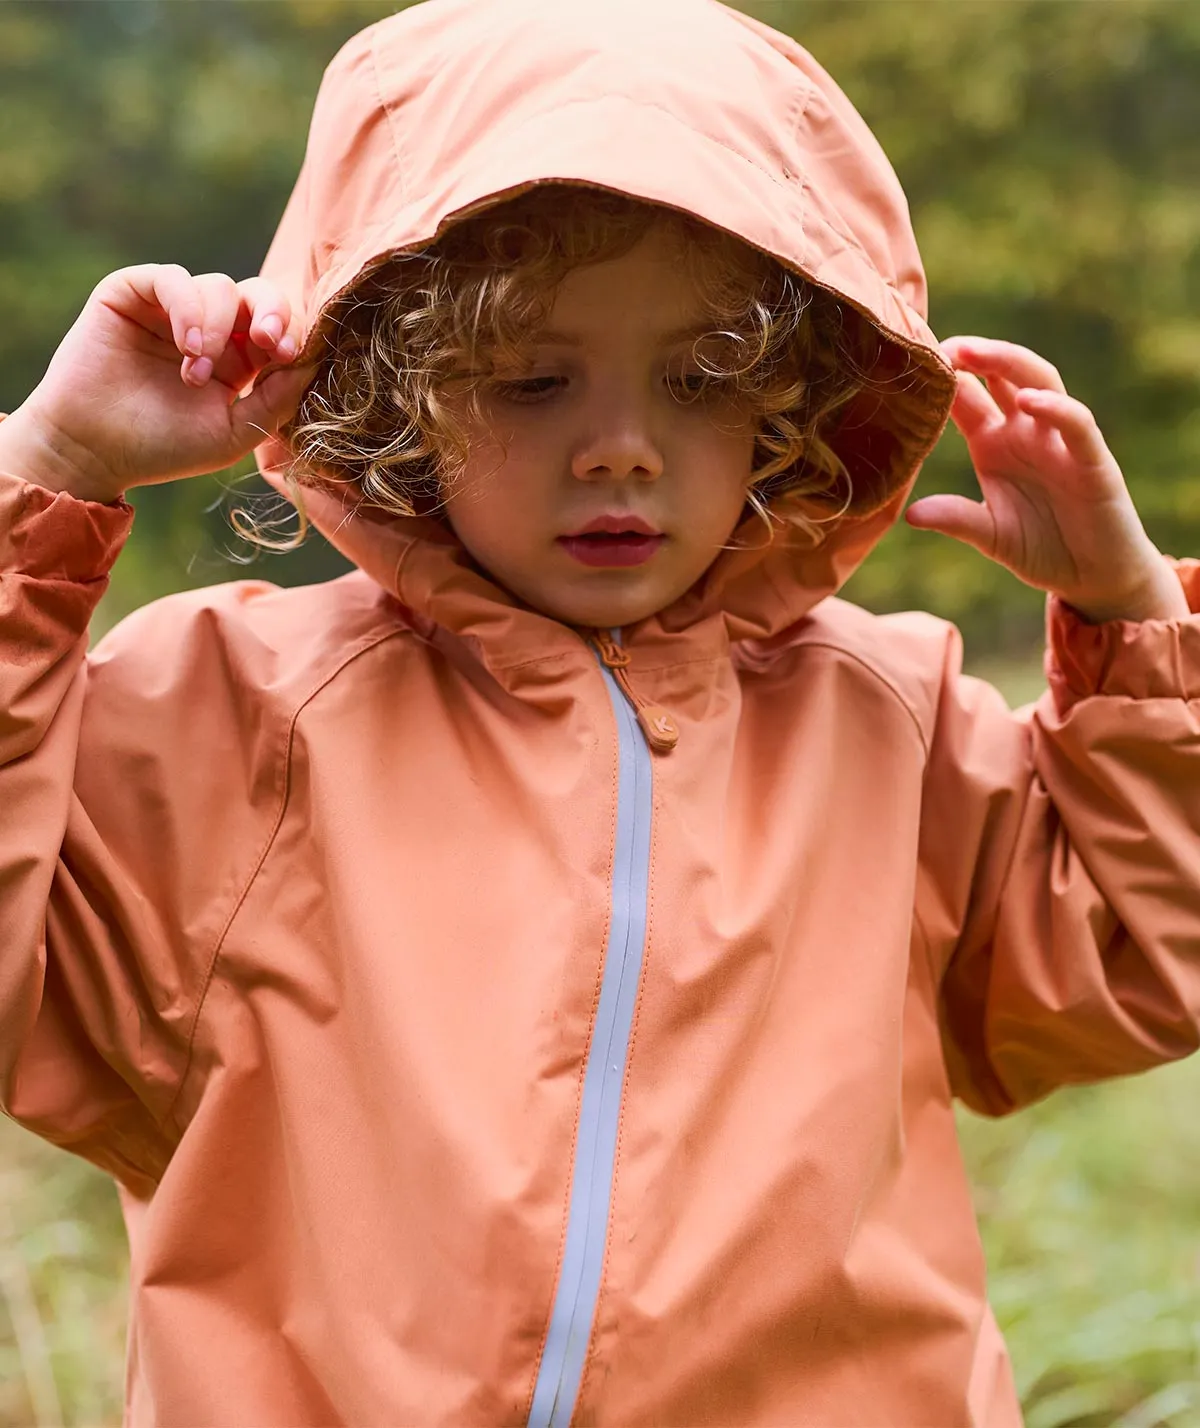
column 1049, row 150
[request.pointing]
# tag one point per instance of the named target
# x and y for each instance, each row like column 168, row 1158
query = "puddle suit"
column 462, row 1058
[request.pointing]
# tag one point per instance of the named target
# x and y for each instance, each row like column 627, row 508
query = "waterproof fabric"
column 305, row 894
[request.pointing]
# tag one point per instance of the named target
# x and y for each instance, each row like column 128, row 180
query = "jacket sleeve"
column 120, row 842
column 1059, row 880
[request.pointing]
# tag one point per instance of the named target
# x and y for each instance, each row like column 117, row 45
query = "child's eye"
column 528, row 389
column 685, row 386
column 690, row 385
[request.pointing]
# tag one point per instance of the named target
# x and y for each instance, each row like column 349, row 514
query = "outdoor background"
column 1051, row 153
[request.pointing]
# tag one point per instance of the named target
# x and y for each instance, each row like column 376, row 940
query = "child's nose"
column 620, row 448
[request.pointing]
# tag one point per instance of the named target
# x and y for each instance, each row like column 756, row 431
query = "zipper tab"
column 657, row 724
column 659, row 727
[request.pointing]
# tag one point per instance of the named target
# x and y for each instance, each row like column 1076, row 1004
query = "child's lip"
column 615, row 523
column 612, row 548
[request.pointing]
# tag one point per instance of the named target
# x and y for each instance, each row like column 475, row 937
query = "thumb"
column 273, row 402
column 955, row 516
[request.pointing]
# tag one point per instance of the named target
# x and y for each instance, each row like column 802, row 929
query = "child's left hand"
column 1056, row 510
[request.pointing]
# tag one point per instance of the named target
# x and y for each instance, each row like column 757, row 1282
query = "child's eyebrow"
column 664, row 339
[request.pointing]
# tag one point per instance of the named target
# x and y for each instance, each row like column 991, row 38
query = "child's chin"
column 603, row 610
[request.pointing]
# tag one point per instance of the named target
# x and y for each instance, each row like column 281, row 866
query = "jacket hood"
column 450, row 106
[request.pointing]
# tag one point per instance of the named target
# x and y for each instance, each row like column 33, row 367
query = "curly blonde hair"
column 405, row 353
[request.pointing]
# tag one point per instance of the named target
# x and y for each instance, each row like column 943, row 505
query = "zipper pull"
column 659, row 727
column 610, row 652
column 657, row 724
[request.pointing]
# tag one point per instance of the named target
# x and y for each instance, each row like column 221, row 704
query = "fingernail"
column 286, row 348
column 200, row 370
column 193, row 343
column 272, row 328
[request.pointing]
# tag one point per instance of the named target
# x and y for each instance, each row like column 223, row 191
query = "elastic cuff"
column 1136, row 659
column 52, row 535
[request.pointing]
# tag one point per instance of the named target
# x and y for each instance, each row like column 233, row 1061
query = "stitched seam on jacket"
column 634, row 668
column 878, row 674
column 387, row 114
column 530, row 663
column 677, row 664
column 283, row 782
column 837, row 223
column 918, row 921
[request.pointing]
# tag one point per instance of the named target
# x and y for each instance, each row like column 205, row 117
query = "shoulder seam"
column 363, row 646
column 878, row 675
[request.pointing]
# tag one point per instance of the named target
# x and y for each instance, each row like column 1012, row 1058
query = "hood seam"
column 386, row 110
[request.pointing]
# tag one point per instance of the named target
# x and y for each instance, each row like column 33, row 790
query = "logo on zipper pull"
column 659, row 727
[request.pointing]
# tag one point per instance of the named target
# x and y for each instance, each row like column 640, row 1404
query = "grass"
column 1087, row 1202
column 63, row 1262
column 1091, row 1223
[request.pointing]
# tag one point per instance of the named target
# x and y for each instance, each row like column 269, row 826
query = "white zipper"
column 565, row 1351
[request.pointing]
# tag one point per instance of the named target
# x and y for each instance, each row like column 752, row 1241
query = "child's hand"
column 144, row 387
column 1056, row 510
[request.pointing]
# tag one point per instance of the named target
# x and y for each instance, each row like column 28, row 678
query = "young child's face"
column 594, row 429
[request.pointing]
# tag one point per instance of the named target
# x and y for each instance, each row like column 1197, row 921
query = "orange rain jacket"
column 465, row 1060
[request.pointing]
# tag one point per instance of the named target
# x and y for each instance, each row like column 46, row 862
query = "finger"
column 1004, row 394
column 988, row 357
column 242, row 361
column 974, row 409
column 1002, row 391
column 221, row 303
column 168, row 302
column 260, row 334
column 1074, row 422
column 955, row 516
column 268, row 316
column 271, row 404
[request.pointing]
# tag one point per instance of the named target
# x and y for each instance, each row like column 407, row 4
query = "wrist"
column 1158, row 596
column 34, row 451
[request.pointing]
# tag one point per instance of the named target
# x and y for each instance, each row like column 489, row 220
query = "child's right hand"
column 144, row 387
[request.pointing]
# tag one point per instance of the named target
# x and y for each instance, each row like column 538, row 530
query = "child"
column 527, row 979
